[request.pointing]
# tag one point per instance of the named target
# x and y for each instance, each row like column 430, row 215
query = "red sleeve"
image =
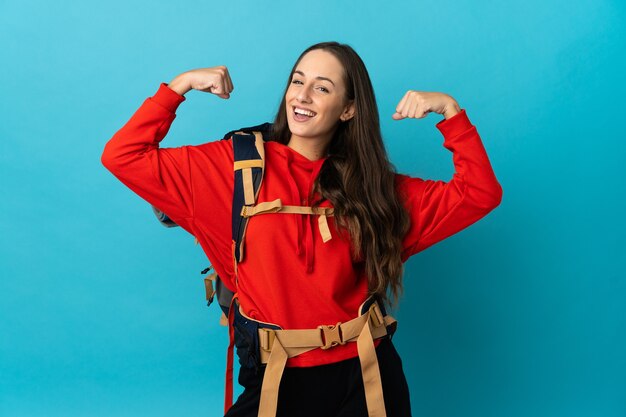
column 191, row 184
column 161, row 176
column 440, row 209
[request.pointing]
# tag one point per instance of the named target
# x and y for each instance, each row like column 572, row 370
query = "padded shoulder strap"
column 264, row 128
column 249, row 162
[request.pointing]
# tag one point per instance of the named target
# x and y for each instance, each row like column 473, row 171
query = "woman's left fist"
column 417, row 104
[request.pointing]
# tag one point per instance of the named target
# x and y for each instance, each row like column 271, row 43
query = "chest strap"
column 276, row 206
column 276, row 346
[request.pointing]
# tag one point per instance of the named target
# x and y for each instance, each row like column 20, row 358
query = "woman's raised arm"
column 440, row 209
column 162, row 176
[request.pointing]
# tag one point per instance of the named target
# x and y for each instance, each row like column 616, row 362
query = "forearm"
column 180, row 84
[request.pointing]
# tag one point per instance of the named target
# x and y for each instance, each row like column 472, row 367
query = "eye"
column 296, row 81
column 324, row 89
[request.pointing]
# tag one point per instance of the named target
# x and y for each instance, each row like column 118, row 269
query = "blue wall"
column 521, row 314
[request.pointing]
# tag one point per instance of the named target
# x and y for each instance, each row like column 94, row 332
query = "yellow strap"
column 297, row 341
column 260, row 144
column 261, row 208
column 370, row 371
column 208, row 287
column 268, row 403
column 324, row 230
column 248, row 163
column 248, row 187
column 326, row 211
column 283, row 344
column 246, row 171
column 276, row 206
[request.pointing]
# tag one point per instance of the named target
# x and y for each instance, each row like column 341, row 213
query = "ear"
column 348, row 112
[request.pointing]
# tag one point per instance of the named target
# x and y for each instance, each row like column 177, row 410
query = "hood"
column 301, row 174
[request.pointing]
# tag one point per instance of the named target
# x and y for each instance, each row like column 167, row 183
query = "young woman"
column 325, row 150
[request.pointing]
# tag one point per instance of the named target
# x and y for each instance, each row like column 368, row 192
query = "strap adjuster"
column 331, row 335
column 267, row 340
column 376, row 315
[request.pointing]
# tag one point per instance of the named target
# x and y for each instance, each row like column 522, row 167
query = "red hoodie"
column 289, row 276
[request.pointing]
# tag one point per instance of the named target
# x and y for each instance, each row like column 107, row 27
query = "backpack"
column 245, row 333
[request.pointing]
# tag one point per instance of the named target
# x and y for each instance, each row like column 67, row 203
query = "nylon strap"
column 276, row 206
column 248, row 163
column 371, row 373
column 228, row 391
column 322, row 224
column 276, row 346
column 248, row 186
column 273, row 373
column 247, row 181
column 208, row 286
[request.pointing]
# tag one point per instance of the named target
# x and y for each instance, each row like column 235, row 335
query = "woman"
column 326, row 150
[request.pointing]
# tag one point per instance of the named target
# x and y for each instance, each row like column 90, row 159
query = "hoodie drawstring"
column 303, row 221
column 295, row 194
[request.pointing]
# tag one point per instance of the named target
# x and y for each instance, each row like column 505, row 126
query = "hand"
column 215, row 80
column 417, row 104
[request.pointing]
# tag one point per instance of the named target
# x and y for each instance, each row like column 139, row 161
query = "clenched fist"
column 214, row 80
column 417, row 104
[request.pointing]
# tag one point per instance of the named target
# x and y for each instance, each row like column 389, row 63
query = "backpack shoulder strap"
column 249, row 164
column 263, row 128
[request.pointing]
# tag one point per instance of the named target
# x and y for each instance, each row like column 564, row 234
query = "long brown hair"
column 358, row 179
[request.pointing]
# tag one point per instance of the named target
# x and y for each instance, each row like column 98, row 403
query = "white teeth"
column 305, row 112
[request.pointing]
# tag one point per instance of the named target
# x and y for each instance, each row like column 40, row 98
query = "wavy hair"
column 359, row 180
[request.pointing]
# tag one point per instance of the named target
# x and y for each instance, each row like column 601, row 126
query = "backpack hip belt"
column 278, row 345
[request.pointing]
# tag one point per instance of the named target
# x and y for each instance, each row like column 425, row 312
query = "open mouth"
column 302, row 115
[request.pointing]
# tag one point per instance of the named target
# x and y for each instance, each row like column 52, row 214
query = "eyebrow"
column 317, row 78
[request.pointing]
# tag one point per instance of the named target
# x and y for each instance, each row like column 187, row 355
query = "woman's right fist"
column 215, row 80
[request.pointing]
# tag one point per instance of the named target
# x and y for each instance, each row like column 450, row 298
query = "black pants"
column 333, row 390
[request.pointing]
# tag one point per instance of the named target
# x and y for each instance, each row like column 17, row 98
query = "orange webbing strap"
column 233, row 245
column 248, row 163
column 208, row 285
column 246, row 176
column 247, row 179
column 276, row 206
column 228, row 390
column 276, row 346
column 268, row 403
column 370, row 371
column 246, row 170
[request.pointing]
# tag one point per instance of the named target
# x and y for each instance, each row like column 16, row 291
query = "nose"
column 303, row 95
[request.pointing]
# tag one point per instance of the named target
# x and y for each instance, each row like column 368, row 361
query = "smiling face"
column 315, row 101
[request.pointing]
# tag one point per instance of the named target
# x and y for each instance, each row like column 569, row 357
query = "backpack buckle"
column 331, row 335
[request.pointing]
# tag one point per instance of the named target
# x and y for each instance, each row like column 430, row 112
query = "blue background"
column 102, row 310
